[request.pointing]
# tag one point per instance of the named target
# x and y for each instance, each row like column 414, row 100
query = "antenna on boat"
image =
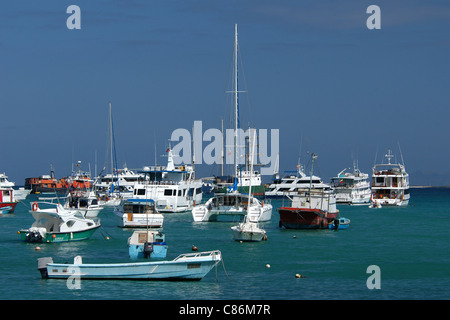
column 401, row 155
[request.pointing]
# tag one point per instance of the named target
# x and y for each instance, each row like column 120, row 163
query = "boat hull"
column 302, row 218
column 158, row 251
column 190, row 267
column 53, row 237
column 7, row 207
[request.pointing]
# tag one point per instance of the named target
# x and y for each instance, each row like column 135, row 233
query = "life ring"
column 35, row 206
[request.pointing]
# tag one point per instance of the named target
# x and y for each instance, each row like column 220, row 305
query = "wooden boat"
column 147, row 244
column 339, row 224
column 185, row 267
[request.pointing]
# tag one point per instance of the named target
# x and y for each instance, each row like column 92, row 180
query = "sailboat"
column 249, row 230
column 228, row 204
column 243, row 176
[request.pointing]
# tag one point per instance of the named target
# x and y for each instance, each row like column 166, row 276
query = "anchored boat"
column 58, row 225
column 185, row 267
column 147, row 244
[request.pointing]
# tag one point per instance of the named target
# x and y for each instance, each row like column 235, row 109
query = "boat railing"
column 213, row 254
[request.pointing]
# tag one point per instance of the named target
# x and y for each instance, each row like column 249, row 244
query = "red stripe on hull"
column 8, row 204
column 303, row 218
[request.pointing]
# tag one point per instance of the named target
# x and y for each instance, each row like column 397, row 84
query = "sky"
column 313, row 70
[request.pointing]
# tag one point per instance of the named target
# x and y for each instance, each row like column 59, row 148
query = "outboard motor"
column 33, row 237
column 42, row 266
column 148, row 249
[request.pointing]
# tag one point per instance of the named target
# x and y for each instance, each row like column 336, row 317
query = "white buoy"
column 267, row 265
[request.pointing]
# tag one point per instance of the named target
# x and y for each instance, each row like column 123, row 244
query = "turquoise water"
column 409, row 245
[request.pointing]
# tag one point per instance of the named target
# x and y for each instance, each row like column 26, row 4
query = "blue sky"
column 312, row 69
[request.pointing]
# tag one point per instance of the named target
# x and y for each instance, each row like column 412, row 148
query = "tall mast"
column 235, row 100
column 111, row 140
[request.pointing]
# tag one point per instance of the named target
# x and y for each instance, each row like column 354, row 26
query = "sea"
column 399, row 253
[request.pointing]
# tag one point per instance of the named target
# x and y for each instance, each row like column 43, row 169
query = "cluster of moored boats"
column 142, row 198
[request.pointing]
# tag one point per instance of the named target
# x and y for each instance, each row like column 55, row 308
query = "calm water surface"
column 410, row 246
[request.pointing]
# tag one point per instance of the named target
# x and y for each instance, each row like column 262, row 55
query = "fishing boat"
column 185, row 267
column 310, row 208
column 147, row 244
column 339, row 224
column 7, row 200
column 58, row 225
column 351, row 188
column 139, row 214
column 390, row 183
column 172, row 188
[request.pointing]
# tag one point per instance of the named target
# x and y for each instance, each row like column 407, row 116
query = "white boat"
column 232, row 207
column 243, row 176
column 122, row 181
column 288, row 186
column 172, row 188
column 249, row 230
column 19, row 193
column 351, row 187
column 84, row 201
column 390, row 183
column 119, row 183
column 139, row 214
column 4, row 182
column 56, row 224
column 185, row 267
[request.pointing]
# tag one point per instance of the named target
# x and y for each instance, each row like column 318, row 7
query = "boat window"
column 198, row 190
column 141, row 192
column 168, row 192
column 70, row 223
column 179, row 193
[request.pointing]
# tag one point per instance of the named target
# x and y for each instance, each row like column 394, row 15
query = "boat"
column 339, row 224
column 185, row 267
column 249, row 230
column 288, row 185
column 4, row 182
column 390, row 183
column 172, row 188
column 242, row 174
column 58, row 224
column 139, row 214
column 232, row 207
column 351, row 188
column 119, row 183
column 49, row 184
column 20, row 193
column 147, row 244
column 310, row 208
column 85, row 201
column 7, row 200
